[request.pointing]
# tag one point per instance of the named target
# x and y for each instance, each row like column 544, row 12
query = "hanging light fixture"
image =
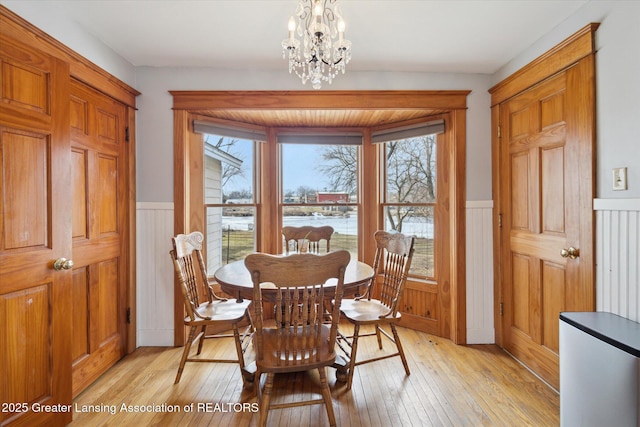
column 324, row 52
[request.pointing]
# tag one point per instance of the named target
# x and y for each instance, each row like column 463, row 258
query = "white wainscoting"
column 479, row 254
column 155, row 275
column 618, row 257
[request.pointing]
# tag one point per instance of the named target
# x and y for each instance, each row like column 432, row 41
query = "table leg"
column 342, row 368
column 249, row 374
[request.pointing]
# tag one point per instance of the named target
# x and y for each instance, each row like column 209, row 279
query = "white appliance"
column 599, row 370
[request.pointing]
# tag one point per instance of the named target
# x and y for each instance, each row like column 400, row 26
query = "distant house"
column 332, row 197
column 239, row 201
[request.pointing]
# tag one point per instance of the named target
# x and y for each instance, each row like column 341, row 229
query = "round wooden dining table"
column 235, row 280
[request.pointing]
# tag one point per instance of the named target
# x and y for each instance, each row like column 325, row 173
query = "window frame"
column 385, row 203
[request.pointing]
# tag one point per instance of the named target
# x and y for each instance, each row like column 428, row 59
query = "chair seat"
column 366, row 311
column 216, row 311
column 271, row 362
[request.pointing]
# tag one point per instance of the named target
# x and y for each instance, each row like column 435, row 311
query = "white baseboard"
column 155, row 337
column 481, row 336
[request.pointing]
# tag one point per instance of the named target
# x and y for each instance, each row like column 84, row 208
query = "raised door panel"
column 99, row 184
column 25, row 87
column 106, row 301
column 28, row 371
column 107, row 200
column 26, row 189
column 35, row 229
column 80, row 313
column 554, row 294
column 520, row 176
column 521, row 293
column 552, row 186
column 26, row 84
column 79, row 188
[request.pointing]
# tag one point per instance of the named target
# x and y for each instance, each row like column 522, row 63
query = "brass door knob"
column 570, row 252
column 62, row 264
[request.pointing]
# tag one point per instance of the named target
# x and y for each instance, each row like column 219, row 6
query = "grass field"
column 238, row 244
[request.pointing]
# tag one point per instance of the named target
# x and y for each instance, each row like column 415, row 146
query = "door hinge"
column 499, row 220
column 129, row 315
column 499, row 131
column 501, row 309
column 126, row 134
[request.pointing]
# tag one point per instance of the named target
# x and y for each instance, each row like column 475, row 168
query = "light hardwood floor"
column 449, row 385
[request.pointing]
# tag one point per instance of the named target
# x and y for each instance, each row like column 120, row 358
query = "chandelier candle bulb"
column 292, row 29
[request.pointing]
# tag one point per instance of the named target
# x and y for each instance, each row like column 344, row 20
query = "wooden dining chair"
column 297, row 340
column 204, row 308
column 315, row 236
column 395, row 252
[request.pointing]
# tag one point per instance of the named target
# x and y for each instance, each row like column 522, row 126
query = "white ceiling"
column 467, row 36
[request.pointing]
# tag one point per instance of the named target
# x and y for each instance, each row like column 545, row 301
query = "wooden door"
column 546, row 152
column 98, row 187
column 35, row 230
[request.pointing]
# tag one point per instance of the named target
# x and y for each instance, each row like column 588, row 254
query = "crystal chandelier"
column 324, row 51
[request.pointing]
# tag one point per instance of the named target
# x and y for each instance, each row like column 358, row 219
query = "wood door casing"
column 557, row 124
column 98, row 186
column 35, row 229
column 547, row 176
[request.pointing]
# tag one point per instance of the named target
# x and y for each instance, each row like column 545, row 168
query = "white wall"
column 51, row 20
column 617, row 86
column 155, row 120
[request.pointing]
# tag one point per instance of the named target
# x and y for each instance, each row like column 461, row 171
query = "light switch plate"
column 619, row 178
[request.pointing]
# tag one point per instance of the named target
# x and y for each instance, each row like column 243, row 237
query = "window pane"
column 230, row 235
column 229, row 199
column 319, row 187
column 310, row 168
column 415, row 221
column 411, row 170
column 343, row 219
column 228, row 170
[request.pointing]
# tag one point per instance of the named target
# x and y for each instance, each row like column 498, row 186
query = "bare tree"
column 305, row 193
column 227, row 145
column 411, row 168
column 339, row 165
column 410, row 175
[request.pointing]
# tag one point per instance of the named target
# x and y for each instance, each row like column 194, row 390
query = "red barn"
column 329, row 197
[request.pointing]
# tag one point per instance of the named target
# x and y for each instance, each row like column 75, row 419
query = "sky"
column 300, row 162
column 300, row 167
